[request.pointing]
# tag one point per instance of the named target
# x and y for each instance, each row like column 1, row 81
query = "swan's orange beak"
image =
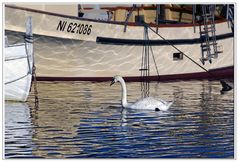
column 112, row 82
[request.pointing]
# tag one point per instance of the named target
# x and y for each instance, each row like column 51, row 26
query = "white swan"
column 148, row 103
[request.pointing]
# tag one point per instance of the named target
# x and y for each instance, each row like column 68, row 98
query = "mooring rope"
column 29, row 39
column 35, row 86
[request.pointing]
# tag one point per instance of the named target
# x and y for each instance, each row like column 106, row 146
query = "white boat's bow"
column 18, row 67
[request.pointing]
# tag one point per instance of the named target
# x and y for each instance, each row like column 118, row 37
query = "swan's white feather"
column 148, row 103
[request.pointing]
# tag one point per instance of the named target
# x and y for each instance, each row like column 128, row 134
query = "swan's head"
column 115, row 79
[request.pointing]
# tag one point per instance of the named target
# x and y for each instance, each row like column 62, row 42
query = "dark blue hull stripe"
column 116, row 41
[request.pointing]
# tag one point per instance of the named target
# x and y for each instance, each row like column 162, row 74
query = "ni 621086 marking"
column 72, row 27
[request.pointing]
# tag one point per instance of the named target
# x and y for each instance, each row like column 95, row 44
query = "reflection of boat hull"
column 74, row 56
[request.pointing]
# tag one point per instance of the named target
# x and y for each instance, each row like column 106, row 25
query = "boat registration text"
column 72, row 27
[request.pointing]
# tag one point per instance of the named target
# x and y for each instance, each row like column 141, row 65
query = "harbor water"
column 86, row 120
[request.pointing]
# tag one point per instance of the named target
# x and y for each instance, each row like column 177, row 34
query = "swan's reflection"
column 135, row 117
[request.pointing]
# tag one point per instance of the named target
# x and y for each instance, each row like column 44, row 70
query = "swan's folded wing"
column 147, row 103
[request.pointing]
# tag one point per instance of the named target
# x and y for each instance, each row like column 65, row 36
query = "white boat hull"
column 67, row 55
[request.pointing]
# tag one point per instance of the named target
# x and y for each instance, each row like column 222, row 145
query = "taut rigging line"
column 225, row 86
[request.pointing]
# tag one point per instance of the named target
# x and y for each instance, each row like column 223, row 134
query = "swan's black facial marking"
column 112, row 82
column 157, row 109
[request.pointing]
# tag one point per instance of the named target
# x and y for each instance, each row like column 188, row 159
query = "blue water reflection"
column 79, row 120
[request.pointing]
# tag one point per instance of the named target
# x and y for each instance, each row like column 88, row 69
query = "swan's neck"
column 123, row 93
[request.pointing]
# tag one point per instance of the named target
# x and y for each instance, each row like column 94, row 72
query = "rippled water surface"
column 86, row 120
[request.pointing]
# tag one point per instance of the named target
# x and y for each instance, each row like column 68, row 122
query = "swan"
column 148, row 103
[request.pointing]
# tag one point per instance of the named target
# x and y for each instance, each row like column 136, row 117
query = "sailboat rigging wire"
column 221, row 81
column 145, row 71
column 179, row 50
column 151, row 49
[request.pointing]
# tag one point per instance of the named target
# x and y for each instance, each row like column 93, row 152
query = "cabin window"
column 177, row 56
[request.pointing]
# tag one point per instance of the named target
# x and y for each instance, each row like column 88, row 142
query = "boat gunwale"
column 108, row 22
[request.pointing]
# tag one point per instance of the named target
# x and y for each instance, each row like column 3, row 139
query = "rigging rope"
column 225, row 86
column 151, row 49
column 145, row 64
column 145, row 71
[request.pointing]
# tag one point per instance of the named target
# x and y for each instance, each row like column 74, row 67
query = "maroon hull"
column 221, row 73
